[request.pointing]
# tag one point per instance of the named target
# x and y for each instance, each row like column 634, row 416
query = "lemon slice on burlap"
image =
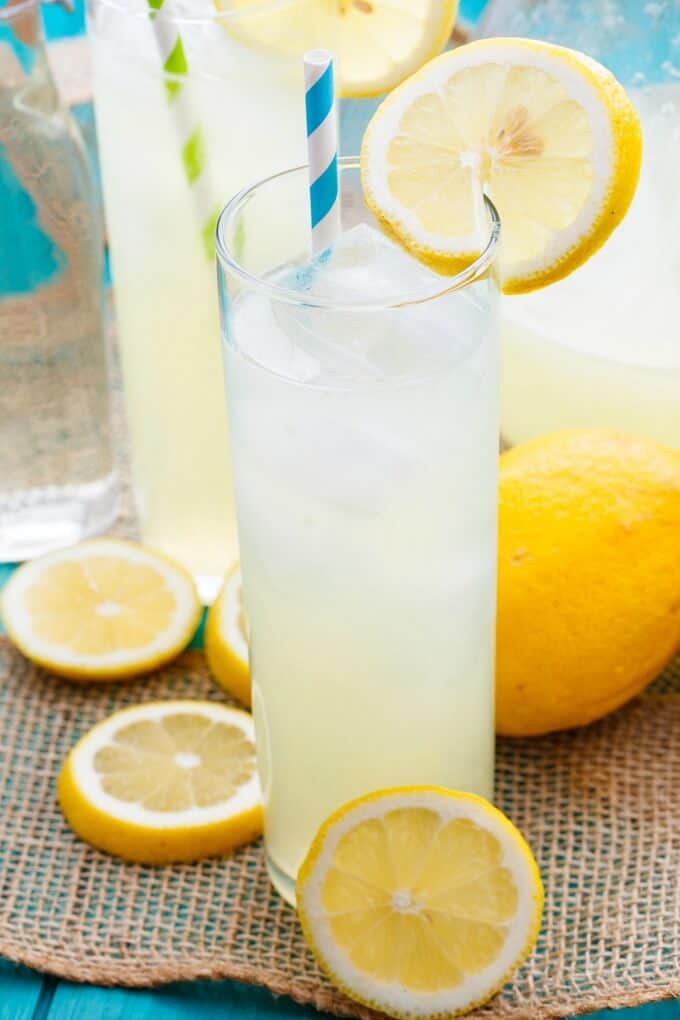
column 166, row 781
column 378, row 43
column 419, row 902
column 226, row 641
column 546, row 132
column 101, row 610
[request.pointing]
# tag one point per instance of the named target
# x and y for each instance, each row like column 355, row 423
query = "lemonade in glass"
column 363, row 406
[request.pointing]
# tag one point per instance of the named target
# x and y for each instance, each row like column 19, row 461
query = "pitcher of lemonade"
column 602, row 347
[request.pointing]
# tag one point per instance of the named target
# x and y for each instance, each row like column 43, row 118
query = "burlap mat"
column 599, row 806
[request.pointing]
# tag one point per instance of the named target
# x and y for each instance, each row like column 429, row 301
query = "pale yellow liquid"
column 368, row 544
column 165, row 290
column 602, row 348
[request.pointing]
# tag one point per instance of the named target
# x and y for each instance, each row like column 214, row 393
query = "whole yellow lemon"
column 589, row 576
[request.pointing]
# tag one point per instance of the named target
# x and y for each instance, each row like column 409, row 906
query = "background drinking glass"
column 363, row 407
column 57, row 477
column 186, row 115
column 602, row 347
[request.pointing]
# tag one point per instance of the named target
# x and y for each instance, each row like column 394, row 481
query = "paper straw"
column 190, row 136
column 322, row 148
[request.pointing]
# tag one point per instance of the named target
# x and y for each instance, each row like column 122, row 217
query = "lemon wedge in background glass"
column 101, row 610
column 226, row 641
column 166, row 781
column 546, row 132
column 378, row 43
column 420, row 901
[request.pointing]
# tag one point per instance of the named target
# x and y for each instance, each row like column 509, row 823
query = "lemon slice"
column 546, row 132
column 102, row 610
column 226, row 643
column 419, row 902
column 167, row 781
column 378, row 43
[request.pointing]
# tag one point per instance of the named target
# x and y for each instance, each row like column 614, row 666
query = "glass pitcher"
column 602, row 347
column 57, row 475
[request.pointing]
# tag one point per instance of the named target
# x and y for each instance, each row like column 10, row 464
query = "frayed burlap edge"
column 331, row 1001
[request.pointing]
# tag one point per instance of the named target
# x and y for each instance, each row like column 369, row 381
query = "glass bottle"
column 57, row 474
column 602, row 347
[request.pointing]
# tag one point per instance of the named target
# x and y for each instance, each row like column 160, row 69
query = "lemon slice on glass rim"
column 378, row 43
column 546, row 132
column 419, row 902
column 101, row 610
column 164, row 782
column 226, row 639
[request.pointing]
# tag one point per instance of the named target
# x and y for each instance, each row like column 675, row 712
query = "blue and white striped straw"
column 322, row 148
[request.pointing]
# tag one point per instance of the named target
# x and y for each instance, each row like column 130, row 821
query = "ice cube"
column 336, row 340
column 345, row 343
column 417, row 339
column 365, row 265
column 260, row 337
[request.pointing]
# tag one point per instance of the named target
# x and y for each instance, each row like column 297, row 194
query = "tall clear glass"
column 58, row 480
column 602, row 348
column 363, row 406
column 189, row 109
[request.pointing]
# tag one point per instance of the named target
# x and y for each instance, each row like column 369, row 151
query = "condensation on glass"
column 57, row 474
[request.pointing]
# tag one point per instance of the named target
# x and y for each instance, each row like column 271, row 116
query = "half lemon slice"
column 546, row 132
column 101, row 610
column 226, row 640
column 167, row 781
column 419, row 902
column 378, row 43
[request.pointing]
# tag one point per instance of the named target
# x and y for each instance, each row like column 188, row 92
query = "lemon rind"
column 114, row 666
column 617, row 134
column 229, row 668
column 113, row 831
column 371, row 89
column 428, row 796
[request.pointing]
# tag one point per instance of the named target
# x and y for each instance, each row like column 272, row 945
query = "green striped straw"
column 190, row 134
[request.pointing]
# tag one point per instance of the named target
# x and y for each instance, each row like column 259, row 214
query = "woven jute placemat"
column 599, row 807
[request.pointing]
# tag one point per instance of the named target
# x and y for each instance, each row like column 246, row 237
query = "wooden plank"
column 227, row 1000
column 669, row 1009
column 200, row 1000
column 20, row 991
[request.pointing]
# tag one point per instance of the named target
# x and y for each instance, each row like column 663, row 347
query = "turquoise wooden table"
column 27, row 995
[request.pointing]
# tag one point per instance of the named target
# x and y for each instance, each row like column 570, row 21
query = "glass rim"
column 204, row 17
column 230, row 262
